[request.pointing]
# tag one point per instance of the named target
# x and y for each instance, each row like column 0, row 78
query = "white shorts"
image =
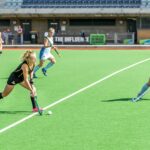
column 45, row 56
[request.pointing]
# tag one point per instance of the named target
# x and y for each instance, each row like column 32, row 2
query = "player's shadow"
column 15, row 112
column 3, row 78
column 122, row 100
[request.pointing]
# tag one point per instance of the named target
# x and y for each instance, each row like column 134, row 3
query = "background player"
column 45, row 53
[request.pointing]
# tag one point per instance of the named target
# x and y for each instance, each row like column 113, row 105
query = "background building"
column 73, row 18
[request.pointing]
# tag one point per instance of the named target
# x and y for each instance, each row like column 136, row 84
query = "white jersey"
column 50, row 43
column 45, row 53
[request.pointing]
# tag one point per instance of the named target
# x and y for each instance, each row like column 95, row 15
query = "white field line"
column 73, row 94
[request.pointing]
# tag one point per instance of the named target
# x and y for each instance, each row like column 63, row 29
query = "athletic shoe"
column 34, row 76
column 36, row 109
column 44, row 72
column 133, row 99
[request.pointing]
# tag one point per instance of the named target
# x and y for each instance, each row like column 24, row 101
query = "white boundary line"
column 73, row 94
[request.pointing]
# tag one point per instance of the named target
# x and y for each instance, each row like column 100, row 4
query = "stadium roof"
column 97, row 8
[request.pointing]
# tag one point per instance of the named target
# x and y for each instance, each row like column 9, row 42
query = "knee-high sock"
column 36, row 69
column 1, row 96
column 144, row 88
column 33, row 102
column 49, row 65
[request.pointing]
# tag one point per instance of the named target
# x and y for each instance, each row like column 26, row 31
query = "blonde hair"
column 51, row 30
column 27, row 57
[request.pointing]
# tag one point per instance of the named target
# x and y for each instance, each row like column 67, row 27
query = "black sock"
column 33, row 102
column 1, row 96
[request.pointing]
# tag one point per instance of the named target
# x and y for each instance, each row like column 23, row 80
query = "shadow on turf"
column 4, row 78
column 15, row 112
column 122, row 100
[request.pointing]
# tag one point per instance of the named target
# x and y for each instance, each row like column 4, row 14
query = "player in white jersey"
column 45, row 53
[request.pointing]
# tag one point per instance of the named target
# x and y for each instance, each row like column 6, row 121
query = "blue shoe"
column 44, row 72
column 34, row 76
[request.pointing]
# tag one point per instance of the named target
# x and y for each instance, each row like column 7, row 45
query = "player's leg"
column 144, row 88
column 142, row 92
column 38, row 67
column 0, row 51
column 42, row 58
column 7, row 91
column 1, row 47
column 32, row 97
column 49, row 65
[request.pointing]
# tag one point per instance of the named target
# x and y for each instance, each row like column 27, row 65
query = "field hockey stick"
column 56, row 50
column 37, row 105
column 139, row 97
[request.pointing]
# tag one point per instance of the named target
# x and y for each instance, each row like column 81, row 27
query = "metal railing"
column 77, row 3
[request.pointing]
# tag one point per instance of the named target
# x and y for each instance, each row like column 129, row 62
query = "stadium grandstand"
column 121, row 21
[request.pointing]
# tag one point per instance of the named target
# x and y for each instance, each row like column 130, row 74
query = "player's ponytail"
column 27, row 56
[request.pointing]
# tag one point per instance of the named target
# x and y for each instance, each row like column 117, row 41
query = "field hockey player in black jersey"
column 23, row 75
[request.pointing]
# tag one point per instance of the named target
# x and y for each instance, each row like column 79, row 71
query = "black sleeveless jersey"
column 18, row 72
column 17, row 75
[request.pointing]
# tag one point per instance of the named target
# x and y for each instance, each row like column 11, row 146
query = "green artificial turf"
column 100, row 118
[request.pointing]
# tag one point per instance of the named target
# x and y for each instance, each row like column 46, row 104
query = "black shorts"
column 13, row 80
